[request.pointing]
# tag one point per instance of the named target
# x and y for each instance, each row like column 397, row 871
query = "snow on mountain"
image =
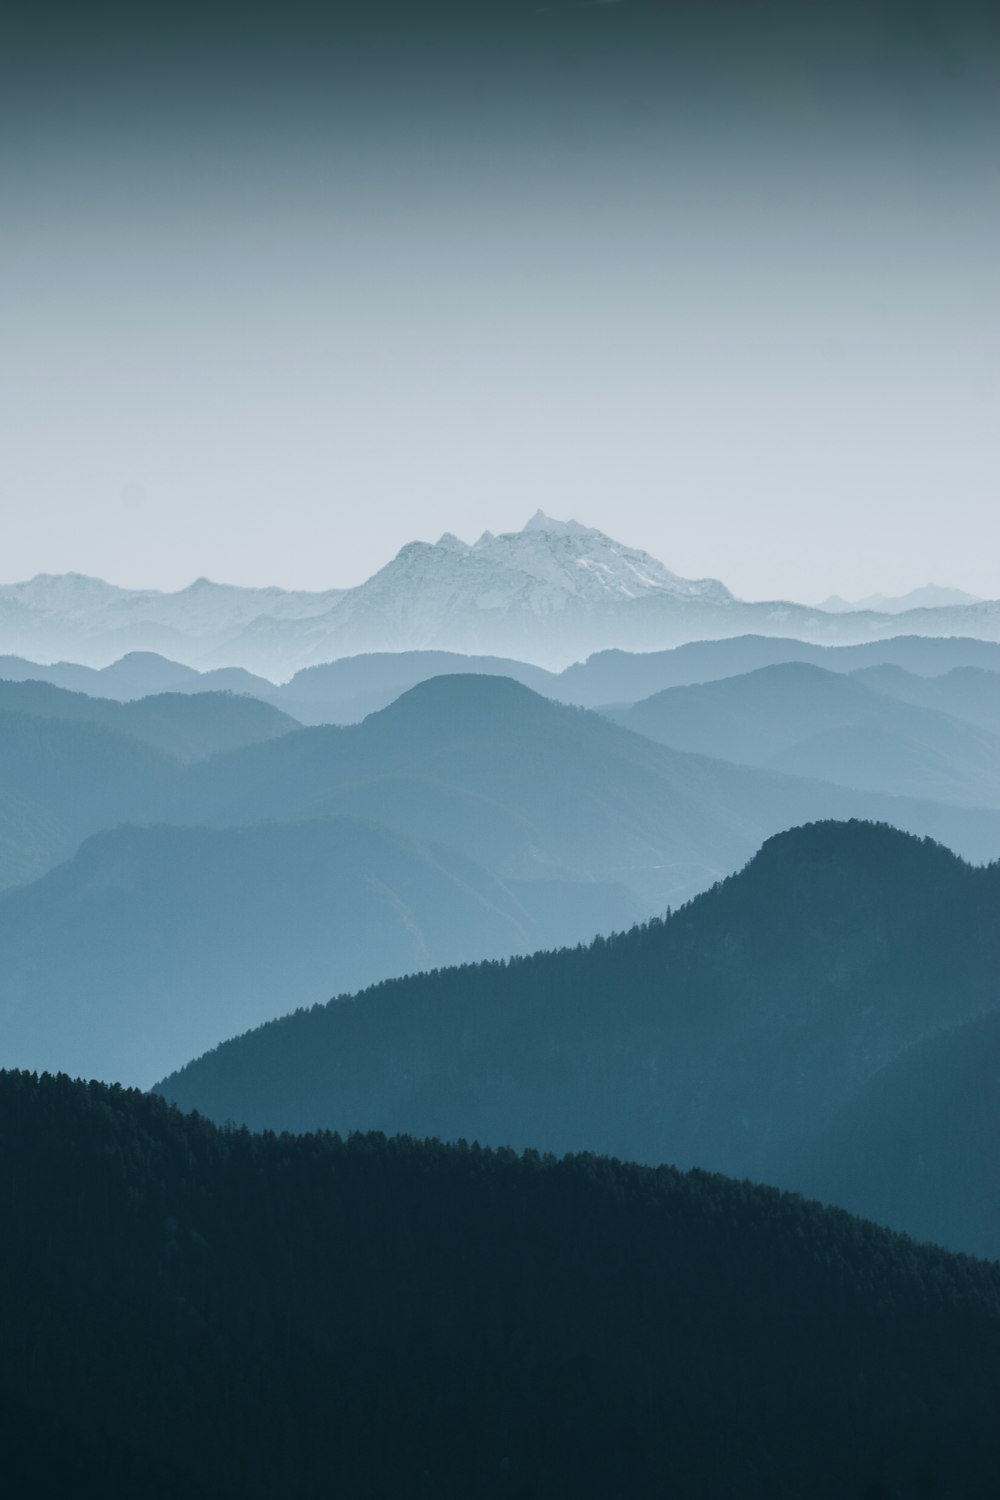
column 549, row 594
column 546, row 568
column 498, row 589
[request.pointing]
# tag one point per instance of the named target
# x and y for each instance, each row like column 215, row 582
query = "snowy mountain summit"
column 584, row 563
column 545, row 568
column 546, row 591
column 549, row 594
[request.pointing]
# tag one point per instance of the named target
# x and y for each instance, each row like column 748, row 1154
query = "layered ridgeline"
column 187, row 726
column 532, row 788
column 344, row 691
column 552, row 592
column 749, row 1033
column 470, row 819
column 524, row 786
column 187, row 1311
column 804, row 720
column 72, row 765
column 152, row 944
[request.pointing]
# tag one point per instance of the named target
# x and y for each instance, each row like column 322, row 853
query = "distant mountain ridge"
column 348, row 689
column 833, row 726
column 930, row 596
column 505, row 823
column 550, row 593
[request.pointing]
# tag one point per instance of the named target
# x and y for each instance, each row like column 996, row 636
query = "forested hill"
column 731, row 1036
column 187, row 1311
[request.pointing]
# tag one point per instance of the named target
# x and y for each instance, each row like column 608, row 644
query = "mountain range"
column 471, row 818
column 153, row 943
column 931, row 596
column 552, row 592
column 825, row 1020
column 347, row 690
column 853, row 730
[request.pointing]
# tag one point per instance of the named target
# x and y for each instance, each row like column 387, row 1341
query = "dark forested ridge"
column 734, row 1035
column 188, row 1311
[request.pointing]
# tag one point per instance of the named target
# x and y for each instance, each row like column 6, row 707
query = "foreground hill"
column 191, row 1312
column 735, row 1035
column 151, row 944
column 801, row 719
column 187, row 726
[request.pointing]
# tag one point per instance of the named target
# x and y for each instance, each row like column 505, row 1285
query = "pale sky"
column 271, row 307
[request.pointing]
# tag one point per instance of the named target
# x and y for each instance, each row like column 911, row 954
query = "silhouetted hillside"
column 190, row 1312
column 152, row 944
column 732, row 1036
column 188, row 726
column 920, row 1145
column 803, row 720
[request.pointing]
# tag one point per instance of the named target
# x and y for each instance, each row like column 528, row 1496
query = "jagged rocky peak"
column 541, row 522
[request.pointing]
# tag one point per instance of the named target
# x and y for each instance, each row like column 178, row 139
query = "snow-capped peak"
column 548, row 524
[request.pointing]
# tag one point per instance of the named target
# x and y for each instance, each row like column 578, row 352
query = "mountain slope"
column 61, row 781
column 152, row 944
column 731, row 1036
column 968, row 693
column 803, row 720
column 183, row 725
column 192, row 1312
column 919, row 1148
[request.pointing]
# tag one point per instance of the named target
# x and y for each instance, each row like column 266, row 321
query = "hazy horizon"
column 469, row 539
column 719, row 282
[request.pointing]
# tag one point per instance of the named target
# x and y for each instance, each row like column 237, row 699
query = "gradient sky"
column 281, row 289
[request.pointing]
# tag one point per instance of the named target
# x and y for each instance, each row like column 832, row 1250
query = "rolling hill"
column 806, row 721
column 186, row 726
